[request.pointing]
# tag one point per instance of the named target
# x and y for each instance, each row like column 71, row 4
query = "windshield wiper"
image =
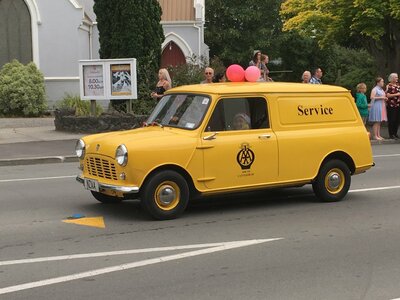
column 155, row 123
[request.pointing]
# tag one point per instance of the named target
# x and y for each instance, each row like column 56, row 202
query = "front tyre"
column 105, row 198
column 165, row 195
column 333, row 181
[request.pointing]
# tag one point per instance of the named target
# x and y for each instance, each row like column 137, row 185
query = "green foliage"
column 369, row 24
column 189, row 73
column 193, row 72
column 341, row 66
column 81, row 107
column 22, row 91
column 298, row 54
column 348, row 67
column 234, row 29
column 131, row 28
column 143, row 106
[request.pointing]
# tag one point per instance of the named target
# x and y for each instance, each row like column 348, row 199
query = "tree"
column 131, row 28
column 234, row 29
column 373, row 25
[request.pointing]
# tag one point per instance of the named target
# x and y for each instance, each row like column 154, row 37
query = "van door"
column 240, row 149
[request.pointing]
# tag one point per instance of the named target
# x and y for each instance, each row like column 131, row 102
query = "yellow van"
column 229, row 137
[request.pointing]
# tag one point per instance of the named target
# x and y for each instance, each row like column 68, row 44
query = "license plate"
column 92, row 185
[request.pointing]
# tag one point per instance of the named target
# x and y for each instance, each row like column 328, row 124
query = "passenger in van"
column 241, row 121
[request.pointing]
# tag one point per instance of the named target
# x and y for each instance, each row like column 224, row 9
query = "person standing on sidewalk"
column 208, row 75
column 393, row 105
column 305, row 78
column 361, row 101
column 317, row 75
column 378, row 108
column 164, row 83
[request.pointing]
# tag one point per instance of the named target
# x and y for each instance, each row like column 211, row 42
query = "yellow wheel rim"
column 334, row 181
column 167, row 195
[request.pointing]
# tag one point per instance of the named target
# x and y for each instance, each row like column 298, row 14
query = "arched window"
column 15, row 32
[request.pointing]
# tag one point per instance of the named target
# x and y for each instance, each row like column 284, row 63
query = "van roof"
column 257, row 87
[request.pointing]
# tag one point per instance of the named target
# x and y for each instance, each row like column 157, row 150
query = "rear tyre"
column 105, row 198
column 333, row 181
column 165, row 195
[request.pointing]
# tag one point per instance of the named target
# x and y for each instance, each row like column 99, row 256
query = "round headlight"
column 80, row 148
column 121, row 155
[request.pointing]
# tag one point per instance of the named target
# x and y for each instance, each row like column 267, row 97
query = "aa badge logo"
column 245, row 157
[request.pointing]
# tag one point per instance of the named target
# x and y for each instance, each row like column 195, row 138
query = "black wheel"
column 165, row 195
column 105, row 198
column 333, row 181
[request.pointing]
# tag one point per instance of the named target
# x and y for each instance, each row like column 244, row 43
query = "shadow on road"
column 130, row 210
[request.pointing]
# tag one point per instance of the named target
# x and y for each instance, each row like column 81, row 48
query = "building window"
column 15, row 32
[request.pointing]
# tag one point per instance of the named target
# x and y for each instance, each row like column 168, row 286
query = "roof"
column 257, row 87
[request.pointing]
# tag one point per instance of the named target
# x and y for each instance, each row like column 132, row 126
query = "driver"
column 241, row 121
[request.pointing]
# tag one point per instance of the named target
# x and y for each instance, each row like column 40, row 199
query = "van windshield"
column 180, row 110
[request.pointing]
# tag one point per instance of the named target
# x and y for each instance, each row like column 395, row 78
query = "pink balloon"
column 252, row 73
column 235, row 73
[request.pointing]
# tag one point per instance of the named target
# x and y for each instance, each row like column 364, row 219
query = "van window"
column 239, row 114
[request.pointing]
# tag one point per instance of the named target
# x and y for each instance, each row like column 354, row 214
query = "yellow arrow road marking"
column 93, row 222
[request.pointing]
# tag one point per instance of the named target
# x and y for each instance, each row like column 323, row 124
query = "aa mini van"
column 230, row 137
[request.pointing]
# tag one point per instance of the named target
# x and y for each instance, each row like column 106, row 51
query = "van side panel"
column 309, row 127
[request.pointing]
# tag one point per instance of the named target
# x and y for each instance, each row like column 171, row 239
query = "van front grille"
column 100, row 167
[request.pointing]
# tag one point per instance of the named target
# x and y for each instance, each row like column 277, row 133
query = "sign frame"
column 129, row 80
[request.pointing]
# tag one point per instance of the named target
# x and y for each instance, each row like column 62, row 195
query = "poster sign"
column 108, row 79
column 93, row 77
column 121, row 82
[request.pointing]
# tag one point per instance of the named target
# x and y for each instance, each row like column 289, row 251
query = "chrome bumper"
column 110, row 187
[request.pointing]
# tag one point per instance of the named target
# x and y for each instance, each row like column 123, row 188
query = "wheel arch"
column 170, row 167
column 343, row 156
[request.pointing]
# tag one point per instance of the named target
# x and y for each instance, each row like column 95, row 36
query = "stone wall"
column 67, row 121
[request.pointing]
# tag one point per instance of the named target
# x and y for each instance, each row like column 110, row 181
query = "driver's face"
column 239, row 123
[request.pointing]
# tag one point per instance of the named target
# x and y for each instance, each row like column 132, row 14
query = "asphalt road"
column 293, row 246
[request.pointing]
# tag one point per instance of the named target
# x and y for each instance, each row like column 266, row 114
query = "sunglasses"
column 208, row 73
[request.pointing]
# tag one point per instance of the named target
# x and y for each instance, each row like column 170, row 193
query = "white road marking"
column 386, row 155
column 112, row 253
column 219, row 247
column 37, row 178
column 375, row 189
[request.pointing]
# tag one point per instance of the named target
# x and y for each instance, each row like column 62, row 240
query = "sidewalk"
column 25, row 141
column 33, row 141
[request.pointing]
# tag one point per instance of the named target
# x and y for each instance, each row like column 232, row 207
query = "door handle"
column 264, row 136
column 210, row 137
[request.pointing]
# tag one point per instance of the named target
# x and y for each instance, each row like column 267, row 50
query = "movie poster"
column 93, row 80
column 121, row 80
